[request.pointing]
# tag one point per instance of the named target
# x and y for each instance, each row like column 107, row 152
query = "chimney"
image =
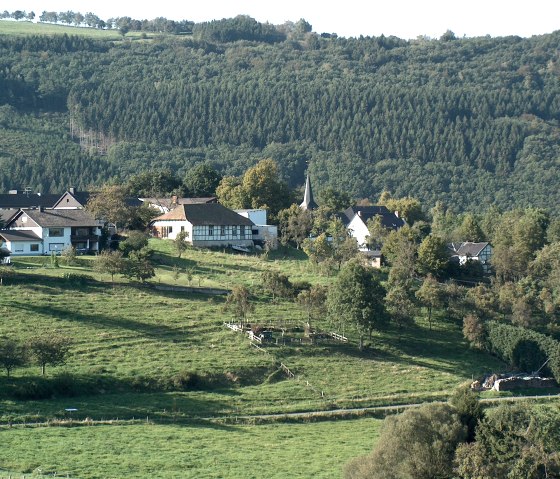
column 13, row 192
column 72, row 190
column 397, row 214
column 174, row 200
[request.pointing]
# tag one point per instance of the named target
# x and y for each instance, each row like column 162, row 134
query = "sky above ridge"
column 351, row 18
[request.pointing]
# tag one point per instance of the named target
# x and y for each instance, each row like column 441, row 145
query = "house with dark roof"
column 43, row 231
column 468, row 251
column 74, row 199
column 17, row 199
column 356, row 219
column 207, row 224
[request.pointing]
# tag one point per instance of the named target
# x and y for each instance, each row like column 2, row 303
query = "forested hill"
column 472, row 122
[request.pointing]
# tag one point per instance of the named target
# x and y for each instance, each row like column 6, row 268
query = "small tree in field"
column 51, row 350
column 12, row 355
column 238, row 303
column 110, row 262
column 313, row 301
column 474, row 331
column 430, row 295
column 180, row 243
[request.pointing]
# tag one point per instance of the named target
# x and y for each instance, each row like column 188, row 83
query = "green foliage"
column 417, row 444
column 110, row 262
column 513, row 441
column 295, row 225
column 433, row 256
column 139, row 265
column 180, row 243
column 239, row 303
column 151, row 184
column 202, row 180
column 485, row 132
column 357, row 298
column 277, row 284
column 523, row 347
column 466, row 404
column 51, row 349
column 135, row 241
column 12, row 355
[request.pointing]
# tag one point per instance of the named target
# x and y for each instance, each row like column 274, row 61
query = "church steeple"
column 308, row 201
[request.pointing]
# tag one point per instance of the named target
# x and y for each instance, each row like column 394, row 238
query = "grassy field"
column 10, row 27
column 206, row 451
column 132, row 345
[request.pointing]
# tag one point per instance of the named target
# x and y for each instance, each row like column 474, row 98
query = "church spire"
column 308, row 201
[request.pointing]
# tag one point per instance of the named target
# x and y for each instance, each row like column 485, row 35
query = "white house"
column 468, row 251
column 262, row 232
column 207, row 224
column 357, row 218
column 42, row 231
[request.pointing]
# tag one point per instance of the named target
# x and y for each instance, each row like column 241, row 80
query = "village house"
column 43, row 231
column 263, row 233
column 356, row 220
column 16, row 199
column 207, row 225
column 468, row 251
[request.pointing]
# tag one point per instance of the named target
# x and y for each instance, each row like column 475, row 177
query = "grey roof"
column 468, row 248
column 206, row 214
column 308, row 202
column 388, row 219
column 61, row 218
column 5, row 215
column 24, row 200
column 19, row 235
column 83, row 197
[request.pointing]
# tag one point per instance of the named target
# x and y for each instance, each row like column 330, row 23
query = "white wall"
column 23, row 248
column 359, row 231
column 256, row 216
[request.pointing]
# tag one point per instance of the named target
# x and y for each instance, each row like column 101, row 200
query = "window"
column 182, row 228
column 222, row 230
column 18, row 248
column 56, row 246
column 210, row 231
column 234, row 230
column 56, row 232
column 242, row 231
column 166, row 231
column 34, row 248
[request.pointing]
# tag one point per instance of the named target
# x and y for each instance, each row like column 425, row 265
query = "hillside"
column 165, row 357
column 468, row 121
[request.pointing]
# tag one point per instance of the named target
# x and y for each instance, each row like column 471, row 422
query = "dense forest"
column 469, row 122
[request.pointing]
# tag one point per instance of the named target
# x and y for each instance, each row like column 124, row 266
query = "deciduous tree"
column 50, row 349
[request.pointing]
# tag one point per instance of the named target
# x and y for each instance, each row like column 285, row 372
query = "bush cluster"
column 524, row 348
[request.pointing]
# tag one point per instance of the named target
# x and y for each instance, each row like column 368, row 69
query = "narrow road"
column 263, row 417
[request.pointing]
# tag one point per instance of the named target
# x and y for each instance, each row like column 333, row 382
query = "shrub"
column 186, row 381
column 520, row 346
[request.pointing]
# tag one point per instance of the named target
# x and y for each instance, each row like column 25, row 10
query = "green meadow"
column 165, row 357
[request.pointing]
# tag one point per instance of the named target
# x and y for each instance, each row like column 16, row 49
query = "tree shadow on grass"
column 156, row 331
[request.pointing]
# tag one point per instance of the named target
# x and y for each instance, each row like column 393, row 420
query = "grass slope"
column 130, row 344
column 272, row 451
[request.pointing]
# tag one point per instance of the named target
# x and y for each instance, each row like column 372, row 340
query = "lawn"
column 316, row 450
